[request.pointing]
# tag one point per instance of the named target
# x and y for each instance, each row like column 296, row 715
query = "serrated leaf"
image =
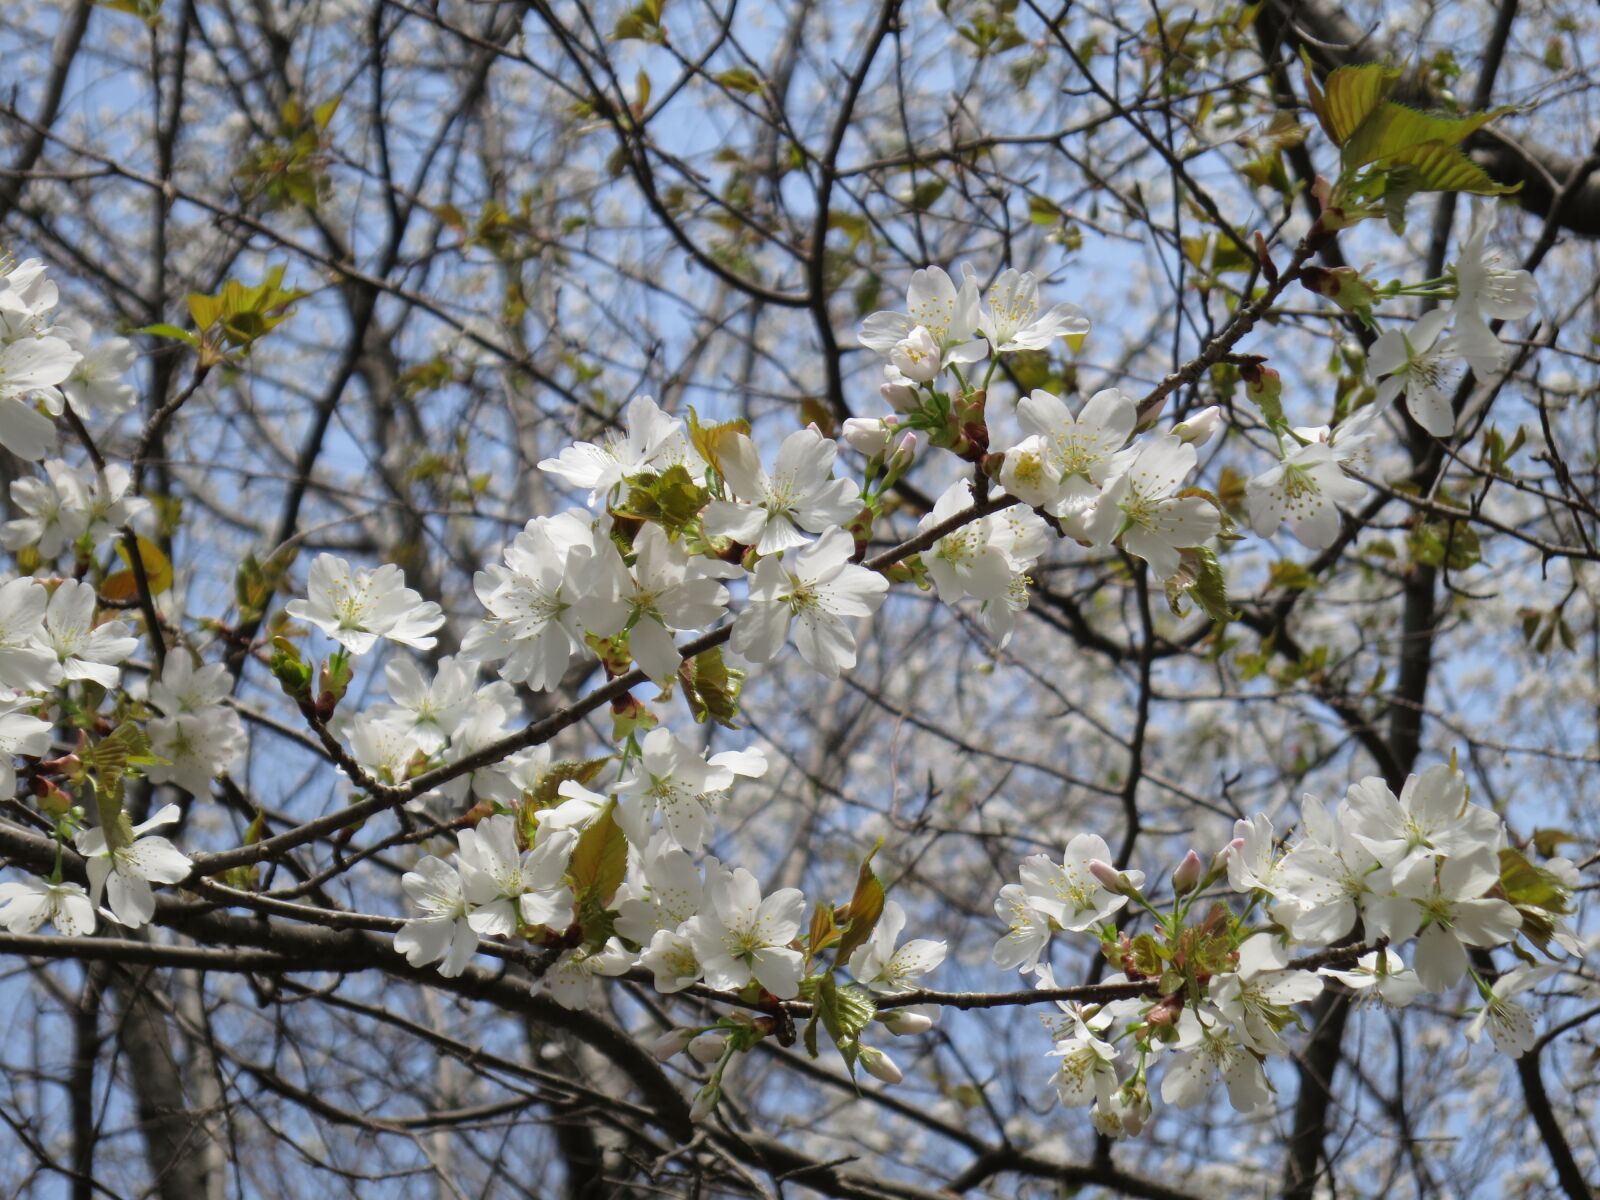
column 711, row 688
column 1349, row 96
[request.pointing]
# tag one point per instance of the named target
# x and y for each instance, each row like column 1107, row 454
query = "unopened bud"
column 705, row 1102
column 905, row 1022
column 898, row 392
column 867, row 435
column 904, row 454
column 1110, row 878
column 708, row 1047
column 672, row 1043
column 1186, row 875
column 1219, row 864
column 879, row 1065
column 1343, row 285
column 1200, row 428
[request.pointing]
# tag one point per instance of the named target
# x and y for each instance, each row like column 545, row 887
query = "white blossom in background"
column 1485, row 289
column 667, row 593
column 26, row 662
column 85, row 650
column 124, row 874
column 55, row 510
column 355, row 606
column 30, row 370
column 1430, row 816
column 883, row 967
column 1384, row 976
column 28, row 903
column 817, row 591
column 949, row 315
column 1206, row 1049
column 108, row 506
column 769, row 511
column 20, row 733
column 1027, row 930
column 1418, row 362
column 650, row 441
column 1509, row 1025
column 1306, row 488
column 98, row 382
column 739, row 936
column 673, row 778
column 428, row 710
column 662, row 891
column 508, row 887
column 1012, row 320
column 571, row 978
column 561, row 580
column 1448, row 902
column 1139, row 509
column 443, row 933
column 196, row 734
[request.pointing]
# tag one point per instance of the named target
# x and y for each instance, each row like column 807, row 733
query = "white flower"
column 1021, row 535
column 917, row 356
column 560, row 582
column 964, row 562
column 1306, row 487
column 668, row 592
column 96, row 383
column 1078, row 451
column 85, row 650
column 868, row 436
column 197, row 735
column 1138, row 507
column 770, row 510
column 1393, row 982
column 677, row 780
column 429, row 711
column 355, row 607
column 651, row 441
column 503, row 884
column 1206, row 1048
column 1510, row 1025
column 1254, row 865
column 125, row 873
column 107, row 507
column 933, row 302
column 29, row 903
column 570, row 978
column 1418, row 362
column 1322, row 880
column 819, row 589
column 55, row 508
column 1486, row 289
column 1431, row 816
column 1448, row 902
column 20, row 733
column 1013, row 320
column 30, row 369
column 26, row 663
column 1201, row 427
column 740, row 936
column 671, row 957
column 883, row 968
column 1027, row 930
column 383, row 746
column 664, row 894
column 1068, row 893
column 1257, row 995
column 1088, row 1070
column 443, row 931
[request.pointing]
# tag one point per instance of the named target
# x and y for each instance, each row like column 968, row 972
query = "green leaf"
column 169, row 331
column 672, row 499
column 600, row 859
column 712, row 688
column 864, row 909
column 1349, row 96
column 740, row 79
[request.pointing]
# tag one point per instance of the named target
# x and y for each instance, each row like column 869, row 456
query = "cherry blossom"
column 739, row 936
column 355, row 606
column 123, row 865
column 770, row 511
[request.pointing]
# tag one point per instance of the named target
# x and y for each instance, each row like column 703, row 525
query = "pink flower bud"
column 671, row 1043
column 1186, row 875
column 879, row 1065
column 1219, row 864
column 1110, row 878
column 904, row 454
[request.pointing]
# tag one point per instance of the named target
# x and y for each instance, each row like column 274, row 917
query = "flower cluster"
column 1217, row 988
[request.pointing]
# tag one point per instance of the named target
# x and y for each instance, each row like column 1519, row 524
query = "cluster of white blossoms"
column 690, row 538
column 1426, row 871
